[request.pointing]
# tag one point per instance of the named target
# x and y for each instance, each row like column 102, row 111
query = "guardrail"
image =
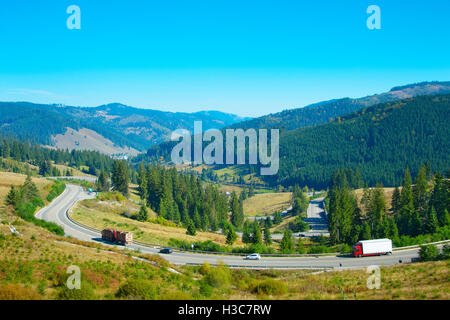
column 268, row 267
column 156, row 246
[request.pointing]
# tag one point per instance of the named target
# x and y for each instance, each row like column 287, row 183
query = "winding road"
column 58, row 209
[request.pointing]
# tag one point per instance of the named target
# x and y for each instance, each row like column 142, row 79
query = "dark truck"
column 122, row 237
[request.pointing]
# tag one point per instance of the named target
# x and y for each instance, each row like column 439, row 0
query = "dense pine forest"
column 34, row 154
column 419, row 211
column 183, row 198
column 378, row 140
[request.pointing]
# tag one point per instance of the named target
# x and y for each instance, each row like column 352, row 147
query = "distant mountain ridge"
column 118, row 126
column 326, row 111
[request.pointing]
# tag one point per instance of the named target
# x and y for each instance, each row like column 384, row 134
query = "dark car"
column 166, row 250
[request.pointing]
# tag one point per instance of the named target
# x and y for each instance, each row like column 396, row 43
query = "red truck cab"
column 357, row 250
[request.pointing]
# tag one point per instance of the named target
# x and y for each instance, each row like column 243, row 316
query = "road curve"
column 57, row 212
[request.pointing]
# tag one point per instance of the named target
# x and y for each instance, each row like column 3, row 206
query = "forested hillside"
column 378, row 140
column 326, row 111
column 123, row 125
column 33, row 154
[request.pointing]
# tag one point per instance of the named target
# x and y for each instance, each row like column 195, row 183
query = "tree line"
column 44, row 157
column 417, row 209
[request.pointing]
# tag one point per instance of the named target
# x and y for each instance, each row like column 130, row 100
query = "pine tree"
column 256, row 234
column 246, row 235
column 103, row 182
column 365, row 234
column 28, row 190
column 44, row 168
column 396, row 201
column 12, row 199
column 231, row 235
column 277, row 219
column 420, row 192
column 415, row 224
column 142, row 181
column 287, row 243
column 191, row 231
column 142, row 215
column 440, row 199
column 407, row 204
column 237, row 217
column 431, row 223
column 120, row 177
column 268, row 222
column 197, row 219
column 267, row 236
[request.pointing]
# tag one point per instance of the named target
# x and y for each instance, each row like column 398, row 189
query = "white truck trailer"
column 374, row 247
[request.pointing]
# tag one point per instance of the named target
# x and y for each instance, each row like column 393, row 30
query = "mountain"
column 326, row 111
column 320, row 113
column 111, row 129
column 379, row 140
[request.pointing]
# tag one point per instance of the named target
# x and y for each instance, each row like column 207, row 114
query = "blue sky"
column 245, row 57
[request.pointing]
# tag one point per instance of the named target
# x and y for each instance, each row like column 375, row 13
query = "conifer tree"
column 267, row 236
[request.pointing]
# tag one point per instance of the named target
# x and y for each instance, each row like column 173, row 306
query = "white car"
column 253, row 256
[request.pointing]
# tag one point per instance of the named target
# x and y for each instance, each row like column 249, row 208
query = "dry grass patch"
column 267, row 203
column 388, row 192
column 7, row 179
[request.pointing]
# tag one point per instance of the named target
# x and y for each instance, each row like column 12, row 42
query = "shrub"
column 57, row 188
column 298, row 225
column 17, row 292
column 137, row 290
column 218, row 277
column 84, row 293
column 204, row 269
column 318, row 249
column 428, row 253
column 205, row 289
column 270, row 287
column 26, row 211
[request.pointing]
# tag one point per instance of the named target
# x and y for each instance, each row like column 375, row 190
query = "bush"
column 57, row 188
column 205, row 289
column 26, row 211
column 298, row 225
column 137, row 290
column 270, row 287
column 428, row 253
column 111, row 196
column 218, row 277
column 84, row 293
column 17, row 292
column 318, row 249
column 204, row 269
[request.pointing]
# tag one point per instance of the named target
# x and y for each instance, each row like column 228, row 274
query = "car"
column 166, row 250
column 253, row 256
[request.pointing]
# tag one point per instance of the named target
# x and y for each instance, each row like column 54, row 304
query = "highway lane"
column 57, row 212
column 316, row 218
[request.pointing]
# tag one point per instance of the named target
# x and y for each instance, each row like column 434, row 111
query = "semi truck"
column 374, row 247
column 122, row 237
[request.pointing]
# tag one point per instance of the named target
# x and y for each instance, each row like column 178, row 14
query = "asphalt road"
column 316, row 218
column 57, row 212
